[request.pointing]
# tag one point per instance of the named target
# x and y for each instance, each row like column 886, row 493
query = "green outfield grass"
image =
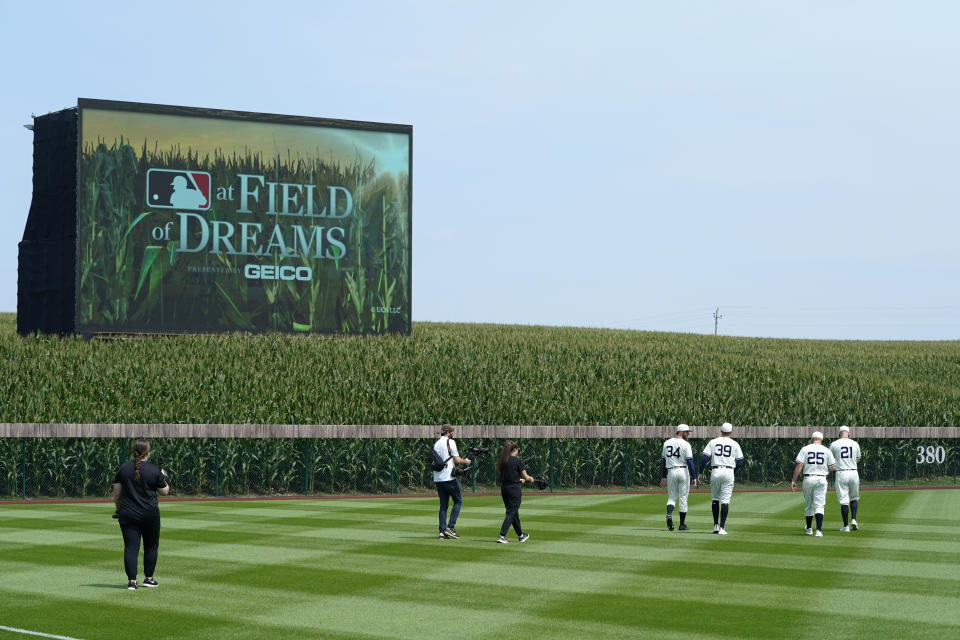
column 595, row 566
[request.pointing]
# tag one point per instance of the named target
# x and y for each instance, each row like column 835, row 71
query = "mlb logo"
column 171, row 189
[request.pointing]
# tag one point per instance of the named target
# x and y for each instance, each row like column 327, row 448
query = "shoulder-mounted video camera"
column 474, row 452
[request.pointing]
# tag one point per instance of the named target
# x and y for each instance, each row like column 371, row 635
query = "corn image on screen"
column 196, row 221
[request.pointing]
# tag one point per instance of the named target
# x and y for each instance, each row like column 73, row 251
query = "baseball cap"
column 844, row 428
column 682, row 428
column 816, row 435
column 726, row 427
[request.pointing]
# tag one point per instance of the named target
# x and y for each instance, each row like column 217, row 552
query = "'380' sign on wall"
column 194, row 220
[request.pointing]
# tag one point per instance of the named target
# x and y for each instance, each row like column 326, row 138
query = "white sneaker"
column 716, row 528
column 853, row 525
column 722, row 532
column 845, row 530
column 503, row 540
column 818, row 534
column 808, row 531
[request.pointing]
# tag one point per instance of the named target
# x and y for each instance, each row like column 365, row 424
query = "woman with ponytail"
column 135, row 489
column 512, row 475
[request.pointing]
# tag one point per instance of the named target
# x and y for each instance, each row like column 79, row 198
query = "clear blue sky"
column 603, row 164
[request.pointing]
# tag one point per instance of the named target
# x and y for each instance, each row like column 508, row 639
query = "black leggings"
column 147, row 528
column 511, row 495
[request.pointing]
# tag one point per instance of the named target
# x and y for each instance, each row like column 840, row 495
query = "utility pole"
column 716, row 320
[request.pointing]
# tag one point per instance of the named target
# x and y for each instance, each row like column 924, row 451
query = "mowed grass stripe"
column 795, row 536
column 918, row 584
column 695, row 565
column 649, row 552
column 277, row 583
column 776, row 578
column 408, row 599
column 868, row 592
column 309, row 530
column 125, row 620
column 559, row 581
column 790, row 607
column 317, row 614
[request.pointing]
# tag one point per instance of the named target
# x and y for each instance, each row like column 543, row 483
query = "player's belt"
column 721, row 466
column 814, row 475
column 846, row 469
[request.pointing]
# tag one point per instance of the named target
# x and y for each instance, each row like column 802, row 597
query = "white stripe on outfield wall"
column 35, row 633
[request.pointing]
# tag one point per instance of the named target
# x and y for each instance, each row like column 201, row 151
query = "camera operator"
column 448, row 487
column 135, row 489
column 512, row 475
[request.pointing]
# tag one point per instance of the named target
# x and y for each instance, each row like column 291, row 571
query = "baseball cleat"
column 808, row 531
column 150, row 582
column 450, row 533
column 716, row 528
column 669, row 523
column 845, row 530
column 503, row 540
column 722, row 532
column 523, row 537
column 853, row 525
column 132, row 585
column 818, row 534
column 683, row 527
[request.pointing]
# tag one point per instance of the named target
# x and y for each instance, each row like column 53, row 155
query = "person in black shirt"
column 135, row 489
column 512, row 475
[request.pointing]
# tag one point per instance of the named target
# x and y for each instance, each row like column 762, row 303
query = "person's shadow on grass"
column 106, row 586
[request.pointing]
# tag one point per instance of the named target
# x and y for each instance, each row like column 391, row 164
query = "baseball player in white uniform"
column 846, row 452
column 723, row 455
column 816, row 461
column 678, row 473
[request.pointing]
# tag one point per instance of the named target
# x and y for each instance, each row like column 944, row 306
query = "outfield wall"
column 79, row 460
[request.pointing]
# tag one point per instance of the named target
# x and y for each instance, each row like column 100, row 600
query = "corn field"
column 477, row 374
column 84, row 468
